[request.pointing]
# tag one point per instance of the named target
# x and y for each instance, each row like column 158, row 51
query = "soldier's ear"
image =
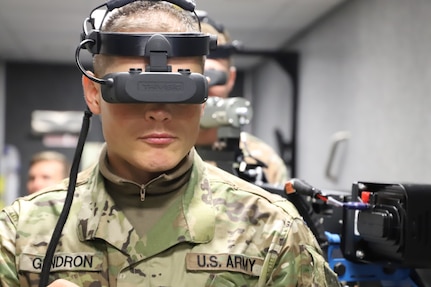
column 92, row 94
column 231, row 79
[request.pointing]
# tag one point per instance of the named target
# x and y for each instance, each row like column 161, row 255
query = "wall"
column 272, row 108
column 366, row 69
column 271, row 86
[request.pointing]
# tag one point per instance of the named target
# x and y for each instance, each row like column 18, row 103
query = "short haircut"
column 223, row 37
column 146, row 16
column 51, row 156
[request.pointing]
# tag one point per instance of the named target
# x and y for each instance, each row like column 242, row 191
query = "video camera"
column 384, row 233
column 395, row 229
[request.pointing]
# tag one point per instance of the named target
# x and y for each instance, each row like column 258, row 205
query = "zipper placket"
column 143, row 191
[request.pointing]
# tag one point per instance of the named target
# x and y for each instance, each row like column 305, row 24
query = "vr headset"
column 221, row 51
column 158, row 83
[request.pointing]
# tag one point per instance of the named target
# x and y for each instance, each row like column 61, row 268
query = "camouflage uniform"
column 252, row 147
column 221, row 232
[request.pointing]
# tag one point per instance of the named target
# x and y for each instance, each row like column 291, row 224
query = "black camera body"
column 395, row 231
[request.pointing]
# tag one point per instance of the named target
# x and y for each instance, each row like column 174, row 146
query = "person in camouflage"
column 253, row 148
column 151, row 212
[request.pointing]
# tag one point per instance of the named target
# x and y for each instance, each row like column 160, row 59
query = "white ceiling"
column 49, row 31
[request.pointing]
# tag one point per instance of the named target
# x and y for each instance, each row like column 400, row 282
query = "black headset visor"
column 158, row 84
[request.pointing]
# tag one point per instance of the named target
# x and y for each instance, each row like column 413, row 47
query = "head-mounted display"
column 217, row 77
column 158, row 83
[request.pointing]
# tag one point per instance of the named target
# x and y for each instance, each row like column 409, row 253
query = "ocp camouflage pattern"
column 254, row 148
column 222, row 232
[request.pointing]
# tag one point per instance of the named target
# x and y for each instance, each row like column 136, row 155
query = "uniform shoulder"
column 47, row 198
column 252, row 139
column 219, row 177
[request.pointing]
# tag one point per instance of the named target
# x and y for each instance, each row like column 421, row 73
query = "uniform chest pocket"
column 233, row 279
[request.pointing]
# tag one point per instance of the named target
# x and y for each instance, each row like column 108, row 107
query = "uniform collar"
column 127, row 192
column 192, row 221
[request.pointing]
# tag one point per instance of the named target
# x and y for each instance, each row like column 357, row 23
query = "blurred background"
column 340, row 88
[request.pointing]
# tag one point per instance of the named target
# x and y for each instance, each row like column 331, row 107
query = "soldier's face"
column 146, row 139
column 43, row 174
column 220, row 65
column 210, row 136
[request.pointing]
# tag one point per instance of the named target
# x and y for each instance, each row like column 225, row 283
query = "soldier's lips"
column 158, row 138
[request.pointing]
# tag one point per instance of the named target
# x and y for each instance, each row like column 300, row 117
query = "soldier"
column 219, row 64
column 151, row 212
column 46, row 168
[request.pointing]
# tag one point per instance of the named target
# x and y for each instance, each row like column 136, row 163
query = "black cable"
column 47, row 261
column 81, row 67
column 305, row 210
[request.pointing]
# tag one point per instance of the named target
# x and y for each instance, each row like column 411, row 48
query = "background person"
column 46, row 168
column 220, row 62
column 151, row 212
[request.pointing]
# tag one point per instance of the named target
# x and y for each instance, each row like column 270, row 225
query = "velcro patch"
column 224, row 262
